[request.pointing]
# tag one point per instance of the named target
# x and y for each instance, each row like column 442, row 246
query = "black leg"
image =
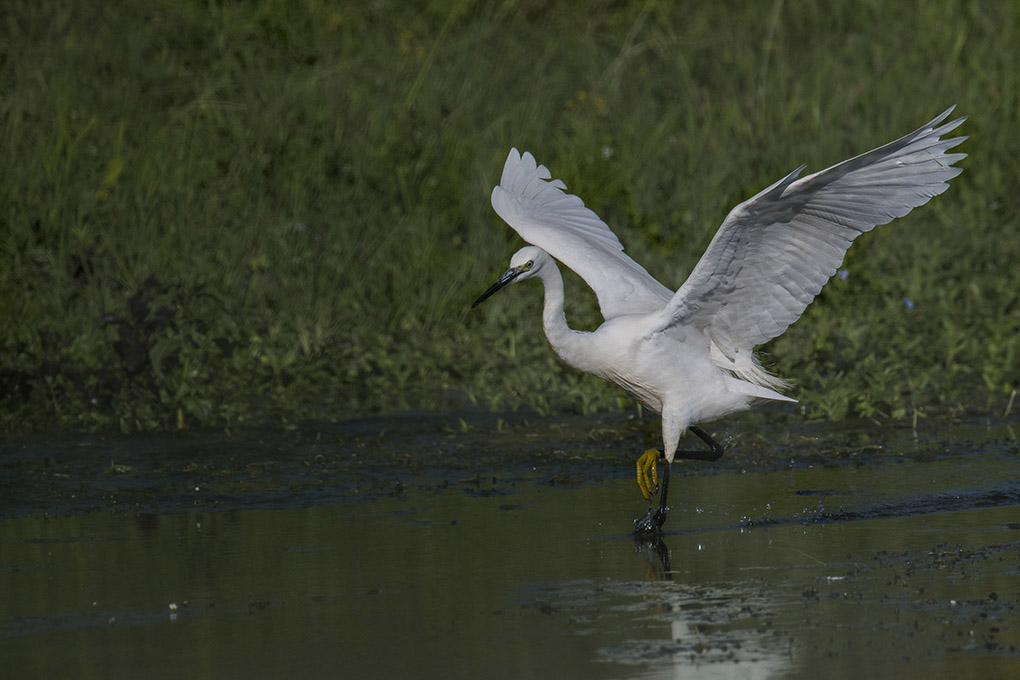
column 651, row 523
column 660, row 514
column 714, row 453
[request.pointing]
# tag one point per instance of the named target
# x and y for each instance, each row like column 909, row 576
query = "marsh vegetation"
column 213, row 212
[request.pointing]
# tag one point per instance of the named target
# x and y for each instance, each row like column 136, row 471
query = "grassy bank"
column 216, row 211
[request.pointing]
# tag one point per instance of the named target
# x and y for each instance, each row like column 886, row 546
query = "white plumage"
column 689, row 355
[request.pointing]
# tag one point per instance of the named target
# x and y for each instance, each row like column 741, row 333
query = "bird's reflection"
column 656, row 551
column 702, row 630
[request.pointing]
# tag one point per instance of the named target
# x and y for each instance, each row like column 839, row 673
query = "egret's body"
column 670, row 371
column 689, row 354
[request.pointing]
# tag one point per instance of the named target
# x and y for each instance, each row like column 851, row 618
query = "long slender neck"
column 565, row 341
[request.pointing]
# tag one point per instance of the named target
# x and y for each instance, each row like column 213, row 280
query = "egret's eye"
column 528, row 265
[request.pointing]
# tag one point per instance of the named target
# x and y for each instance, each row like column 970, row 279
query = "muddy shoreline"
column 321, row 463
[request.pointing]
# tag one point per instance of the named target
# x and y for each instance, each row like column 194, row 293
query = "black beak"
column 508, row 277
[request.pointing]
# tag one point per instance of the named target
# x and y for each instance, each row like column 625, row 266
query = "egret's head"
column 525, row 264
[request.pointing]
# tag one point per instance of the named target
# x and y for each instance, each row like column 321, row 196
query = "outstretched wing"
column 538, row 209
column 775, row 251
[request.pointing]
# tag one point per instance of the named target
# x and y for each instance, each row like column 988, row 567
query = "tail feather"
column 747, row 368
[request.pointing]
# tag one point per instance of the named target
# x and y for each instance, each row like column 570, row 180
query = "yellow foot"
column 647, row 461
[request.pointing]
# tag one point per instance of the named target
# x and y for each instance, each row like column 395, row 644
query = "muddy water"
column 248, row 557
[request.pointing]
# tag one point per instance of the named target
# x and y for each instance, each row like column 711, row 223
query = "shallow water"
column 905, row 565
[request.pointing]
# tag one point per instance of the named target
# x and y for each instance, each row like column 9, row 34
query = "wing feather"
column 775, row 251
column 540, row 211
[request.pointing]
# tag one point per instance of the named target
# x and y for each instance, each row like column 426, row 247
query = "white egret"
column 689, row 354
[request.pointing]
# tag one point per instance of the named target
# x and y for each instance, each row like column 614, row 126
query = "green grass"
column 216, row 211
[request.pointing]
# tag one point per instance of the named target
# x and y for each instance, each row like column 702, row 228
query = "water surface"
column 848, row 564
